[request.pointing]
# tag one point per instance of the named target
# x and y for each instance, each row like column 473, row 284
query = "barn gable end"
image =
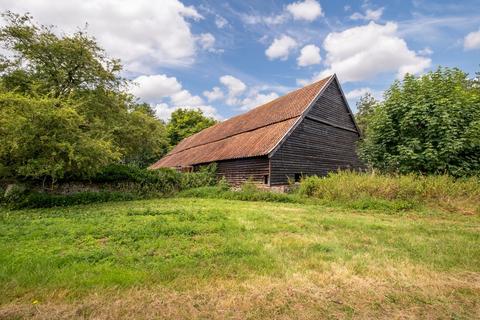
column 324, row 140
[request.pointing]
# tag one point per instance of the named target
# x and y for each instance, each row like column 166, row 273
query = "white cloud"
column 215, row 94
column 220, row 22
column 425, row 52
column 256, row 99
column 360, row 53
column 168, row 95
column 207, row 41
column 472, row 40
column 234, row 86
column 369, row 15
column 154, row 88
column 184, row 98
column 307, row 10
column 142, row 33
column 310, row 54
column 268, row 20
column 280, row 48
column 357, row 93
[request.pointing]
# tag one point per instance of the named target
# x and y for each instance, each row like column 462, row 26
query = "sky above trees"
column 228, row 57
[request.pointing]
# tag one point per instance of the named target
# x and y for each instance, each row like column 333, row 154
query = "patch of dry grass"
column 401, row 292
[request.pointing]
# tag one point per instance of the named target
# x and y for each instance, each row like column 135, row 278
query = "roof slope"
column 254, row 133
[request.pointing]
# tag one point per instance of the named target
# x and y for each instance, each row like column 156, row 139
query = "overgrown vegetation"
column 193, row 258
column 428, row 124
column 113, row 183
column 65, row 111
column 399, row 192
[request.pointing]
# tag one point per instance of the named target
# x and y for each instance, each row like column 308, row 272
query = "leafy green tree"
column 186, row 122
column 365, row 108
column 144, row 138
column 46, row 137
column 428, row 124
column 46, row 63
column 80, row 116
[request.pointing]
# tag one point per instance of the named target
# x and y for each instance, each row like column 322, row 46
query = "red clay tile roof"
column 254, row 133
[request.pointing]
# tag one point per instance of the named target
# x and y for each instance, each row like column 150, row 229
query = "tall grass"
column 441, row 191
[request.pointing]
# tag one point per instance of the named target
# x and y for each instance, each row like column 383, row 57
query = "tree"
column 80, row 117
column 428, row 124
column 46, row 63
column 144, row 138
column 186, row 122
column 47, row 138
column 366, row 107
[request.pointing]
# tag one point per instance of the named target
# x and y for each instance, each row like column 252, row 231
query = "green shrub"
column 46, row 200
column 14, row 193
column 219, row 192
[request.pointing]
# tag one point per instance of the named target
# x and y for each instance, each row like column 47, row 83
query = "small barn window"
column 298, row 176
column 265, row 179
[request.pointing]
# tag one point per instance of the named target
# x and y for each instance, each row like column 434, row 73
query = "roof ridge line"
column 257, row 107
column 233, row 135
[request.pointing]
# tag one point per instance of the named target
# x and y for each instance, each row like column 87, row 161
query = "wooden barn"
column 309, row 131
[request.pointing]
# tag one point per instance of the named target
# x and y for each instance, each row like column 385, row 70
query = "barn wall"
column 324, row 141
column 238, row 171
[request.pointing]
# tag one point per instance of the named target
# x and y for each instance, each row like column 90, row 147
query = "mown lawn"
column 211, row 258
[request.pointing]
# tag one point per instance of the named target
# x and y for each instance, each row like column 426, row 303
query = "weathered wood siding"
column 324, row 141
column 238, row 171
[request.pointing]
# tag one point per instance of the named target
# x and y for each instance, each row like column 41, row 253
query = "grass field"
column 189, row 258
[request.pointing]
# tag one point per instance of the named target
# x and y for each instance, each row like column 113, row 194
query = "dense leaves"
column 64, row 108
column 428, row 124
column 185, row 122
column 46, row 137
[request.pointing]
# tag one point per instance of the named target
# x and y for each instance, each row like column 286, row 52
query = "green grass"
column 216, row 258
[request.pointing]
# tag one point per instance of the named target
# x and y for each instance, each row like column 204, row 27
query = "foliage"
column 186, row 122
column 116, row 182
column 47, row 200
column 428, row 124
column 398, row 192
column 64, row 108
column 45, row 137
column 48, row 64
column 365, row 108
column 251, row 194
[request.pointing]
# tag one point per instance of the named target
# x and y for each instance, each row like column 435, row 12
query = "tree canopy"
column 428, row 124
column 64, row 108
column 185, row 122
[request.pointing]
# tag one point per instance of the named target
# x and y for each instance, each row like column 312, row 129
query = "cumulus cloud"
column 472, row 40
column 360, row 53
column 307, row 10
column 153, row 88
column 368, row 15
column 142, row 33
column 234, row 86
column 167, row 95
column 281, row 47
column 310, row 54
column 215, row 94
column 357, row 93
column 255, row 99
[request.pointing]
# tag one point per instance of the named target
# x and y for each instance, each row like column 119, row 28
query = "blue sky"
column 226, row 57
